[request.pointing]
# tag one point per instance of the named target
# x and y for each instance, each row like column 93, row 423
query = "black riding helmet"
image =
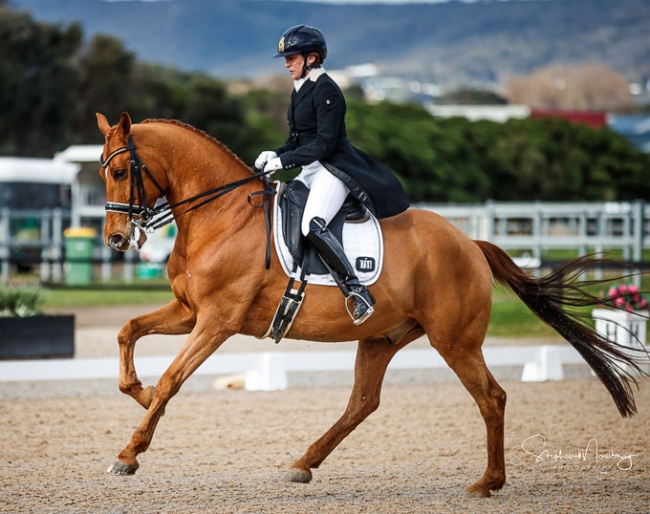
column 303, row 39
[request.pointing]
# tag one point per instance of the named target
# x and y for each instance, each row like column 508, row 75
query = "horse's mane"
column 198, row 132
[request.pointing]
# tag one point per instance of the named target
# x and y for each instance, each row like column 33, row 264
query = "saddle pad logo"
column 366, row 264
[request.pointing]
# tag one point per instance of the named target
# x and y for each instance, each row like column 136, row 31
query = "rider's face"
column 294, row 63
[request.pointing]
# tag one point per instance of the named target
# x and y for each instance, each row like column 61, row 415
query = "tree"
column 106, row 86
column 39, row 84
column 457, row 160
column 466, row 96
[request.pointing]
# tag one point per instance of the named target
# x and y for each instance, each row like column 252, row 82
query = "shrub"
column 24, row 301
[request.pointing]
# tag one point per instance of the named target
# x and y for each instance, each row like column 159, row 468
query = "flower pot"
column 37, row 337
column 625, row 328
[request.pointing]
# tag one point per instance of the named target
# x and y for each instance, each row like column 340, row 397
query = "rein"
column 150, row 219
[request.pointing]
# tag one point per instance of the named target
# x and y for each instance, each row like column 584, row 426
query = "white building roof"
column 80, row 153
column 499, row 113
column 23, row 169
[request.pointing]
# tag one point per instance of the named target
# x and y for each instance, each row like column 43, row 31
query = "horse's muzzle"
column 122, row 243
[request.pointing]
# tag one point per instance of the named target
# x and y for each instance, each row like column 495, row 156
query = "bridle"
column 139, row 214
column 149, row 219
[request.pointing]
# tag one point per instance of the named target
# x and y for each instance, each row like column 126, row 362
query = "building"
column 88, row 190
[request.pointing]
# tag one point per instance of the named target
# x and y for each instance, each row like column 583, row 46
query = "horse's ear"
column 125, row 123
column 102, row 123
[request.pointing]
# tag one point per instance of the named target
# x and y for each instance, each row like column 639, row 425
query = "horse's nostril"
column 116, row 241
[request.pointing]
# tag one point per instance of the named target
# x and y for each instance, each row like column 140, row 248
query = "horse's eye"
column 119, row 174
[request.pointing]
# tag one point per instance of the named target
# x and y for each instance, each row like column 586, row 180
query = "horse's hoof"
column 299, row 476
column 121, row 469
column 475, row 493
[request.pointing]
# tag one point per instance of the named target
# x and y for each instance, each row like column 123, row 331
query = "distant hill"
column 449, row 43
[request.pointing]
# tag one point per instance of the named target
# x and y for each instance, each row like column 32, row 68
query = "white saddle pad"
column 363, row 244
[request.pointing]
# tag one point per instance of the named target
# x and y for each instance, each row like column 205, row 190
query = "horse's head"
column 131, row 190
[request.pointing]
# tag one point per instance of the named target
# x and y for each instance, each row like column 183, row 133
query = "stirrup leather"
column 287, row 311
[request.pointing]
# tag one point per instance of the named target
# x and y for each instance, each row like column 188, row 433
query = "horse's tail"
column 548, row 296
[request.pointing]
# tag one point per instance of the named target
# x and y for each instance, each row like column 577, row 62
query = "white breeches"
column 326, row 194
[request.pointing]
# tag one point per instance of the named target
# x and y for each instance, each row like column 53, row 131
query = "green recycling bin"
column 79, row 243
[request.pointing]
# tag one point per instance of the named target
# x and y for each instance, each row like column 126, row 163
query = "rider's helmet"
column 302, row 39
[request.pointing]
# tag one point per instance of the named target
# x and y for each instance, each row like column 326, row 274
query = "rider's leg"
column 332, row 252
column 326, row 196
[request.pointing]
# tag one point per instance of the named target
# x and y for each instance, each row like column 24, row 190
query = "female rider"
column 331, row 167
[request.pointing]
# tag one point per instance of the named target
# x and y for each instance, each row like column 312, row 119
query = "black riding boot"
column 332, row 253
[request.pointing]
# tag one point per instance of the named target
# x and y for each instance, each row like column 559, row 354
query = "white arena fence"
column 267, row 371
column 525, row 229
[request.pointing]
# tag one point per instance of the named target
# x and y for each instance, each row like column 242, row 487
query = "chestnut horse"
column 435, row 281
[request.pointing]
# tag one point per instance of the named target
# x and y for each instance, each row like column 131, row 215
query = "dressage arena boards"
column 567, row 449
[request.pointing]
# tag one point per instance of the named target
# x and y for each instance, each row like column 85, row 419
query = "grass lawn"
column 510, row 317
column 149, row 292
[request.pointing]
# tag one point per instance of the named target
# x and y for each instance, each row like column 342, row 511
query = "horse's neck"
column 196, row 165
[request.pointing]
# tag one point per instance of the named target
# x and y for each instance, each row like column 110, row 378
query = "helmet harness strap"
column 306, row 67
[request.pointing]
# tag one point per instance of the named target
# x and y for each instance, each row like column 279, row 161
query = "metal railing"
column 31, row 238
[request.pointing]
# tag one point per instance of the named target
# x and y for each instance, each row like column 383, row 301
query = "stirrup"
column 361, row 319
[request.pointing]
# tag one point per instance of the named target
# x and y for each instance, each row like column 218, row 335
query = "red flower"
column 626, row 297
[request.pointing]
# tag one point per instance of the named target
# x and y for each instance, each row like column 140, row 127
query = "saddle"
column 354, row 226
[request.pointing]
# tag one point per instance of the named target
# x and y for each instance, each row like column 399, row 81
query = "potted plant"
column 623, row 316
column 26, row 332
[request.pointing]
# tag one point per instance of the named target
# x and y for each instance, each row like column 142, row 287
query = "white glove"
column 273, row 165
column 263, row 158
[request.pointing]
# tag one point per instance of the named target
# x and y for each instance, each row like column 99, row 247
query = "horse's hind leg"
column 173, row 318
column 373, row 357
column 491, row 400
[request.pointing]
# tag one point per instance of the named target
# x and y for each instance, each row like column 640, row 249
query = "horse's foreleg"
column 198, row 347
column 491, row 401
column 373, row 357
column 173, row 318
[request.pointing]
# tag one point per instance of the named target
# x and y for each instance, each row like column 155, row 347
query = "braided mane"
column 198, row 132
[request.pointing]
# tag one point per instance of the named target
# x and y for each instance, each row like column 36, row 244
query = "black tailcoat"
column 316, row 118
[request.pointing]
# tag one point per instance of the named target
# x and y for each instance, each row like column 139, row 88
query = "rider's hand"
column 273, row 165
column 263, row 158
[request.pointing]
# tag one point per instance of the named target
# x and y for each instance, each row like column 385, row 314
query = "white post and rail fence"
column 527, row 230
column 530, row 229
